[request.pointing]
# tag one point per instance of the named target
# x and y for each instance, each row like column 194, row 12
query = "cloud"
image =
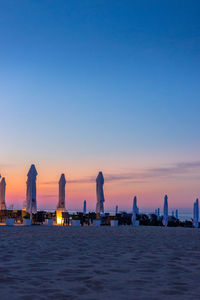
column 142, row 176
column 48, row 182
column 81, row 180
column 48, row 196
column 6, row 166
column 178, row 169
column 182, row 168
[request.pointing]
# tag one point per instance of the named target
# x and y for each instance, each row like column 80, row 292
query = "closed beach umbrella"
column 196, row 214
column 2, row 193
column 84, row 207
column 61, row 197
column 31, row 203
column 100, row 194
column 165, row 212
column 135, row 210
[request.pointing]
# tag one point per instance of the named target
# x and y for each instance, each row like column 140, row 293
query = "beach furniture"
column 96, row 223
column 48, row 222
column 136, row 223
column 76, row 223
column 10, row 221
column 114, row 223
column 27, row 222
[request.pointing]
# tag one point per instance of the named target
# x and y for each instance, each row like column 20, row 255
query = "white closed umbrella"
column 84, row 207
column 165, row 212
column 61, row 197
column 31, row 203
column 2, row 193
column 100, row 194
column 196, row 214
column 135, row 210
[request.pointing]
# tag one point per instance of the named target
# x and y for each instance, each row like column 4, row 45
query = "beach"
column 41, row 262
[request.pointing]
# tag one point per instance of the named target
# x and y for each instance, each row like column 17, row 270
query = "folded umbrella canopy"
column 165, row 212
column 196, row 214
column 61, row 199
column 31, row 203
column 100, row 193
column 84, row 207
column 135, row 210
column 2, row 194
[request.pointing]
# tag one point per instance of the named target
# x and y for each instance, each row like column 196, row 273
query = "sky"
column 98, row 85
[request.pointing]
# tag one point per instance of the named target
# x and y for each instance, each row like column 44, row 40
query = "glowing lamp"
column 59, row 218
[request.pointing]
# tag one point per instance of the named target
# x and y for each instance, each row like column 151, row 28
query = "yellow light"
column 59, row 218
column 60, row 221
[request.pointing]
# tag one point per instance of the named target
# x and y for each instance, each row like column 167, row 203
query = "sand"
column 42, row 262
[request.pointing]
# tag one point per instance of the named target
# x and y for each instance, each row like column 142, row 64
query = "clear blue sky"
column 112, row 83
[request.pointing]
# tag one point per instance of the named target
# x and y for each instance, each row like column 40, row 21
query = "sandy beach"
column 41, row 262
